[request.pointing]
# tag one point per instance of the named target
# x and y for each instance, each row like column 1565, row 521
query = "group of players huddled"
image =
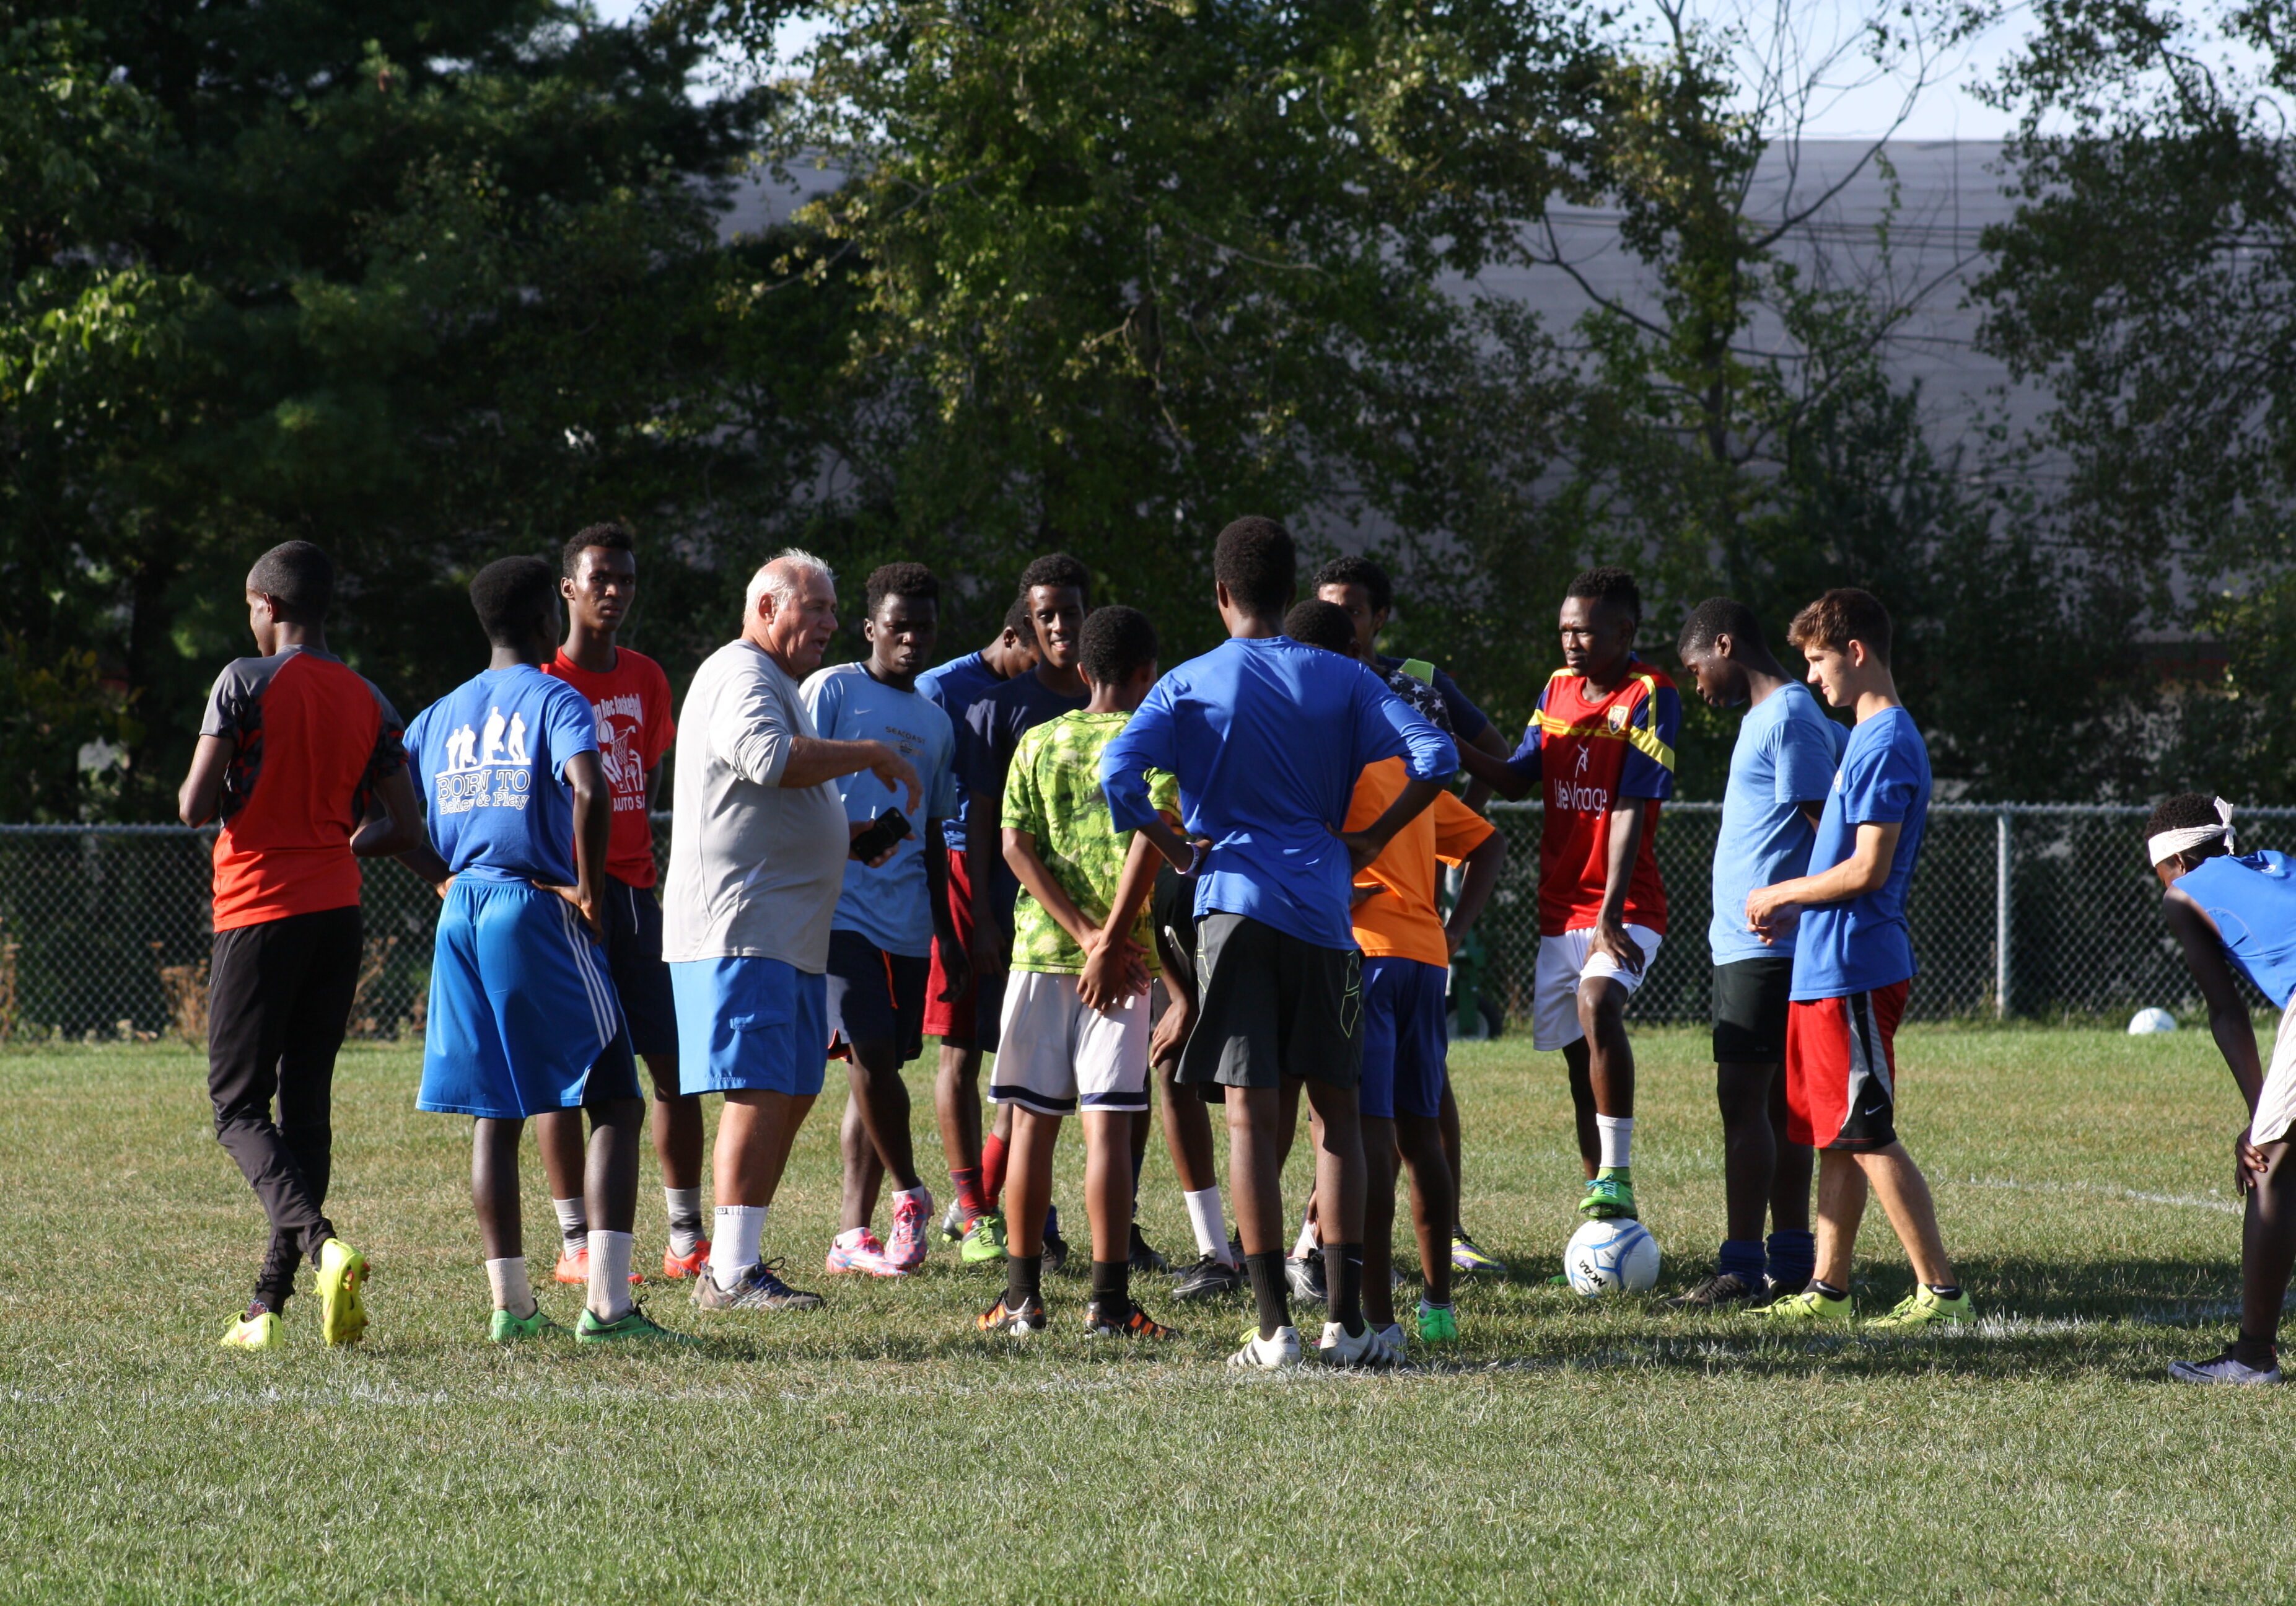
column 1228, row 879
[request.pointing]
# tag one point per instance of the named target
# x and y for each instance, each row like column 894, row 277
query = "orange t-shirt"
column 1400, row 919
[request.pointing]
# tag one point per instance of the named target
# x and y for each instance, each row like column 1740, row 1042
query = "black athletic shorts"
column 1270, row 1005
column 875, row 996
column 632, row 945
column 1750, row 1011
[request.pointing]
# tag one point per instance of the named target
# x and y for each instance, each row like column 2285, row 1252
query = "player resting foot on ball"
column 1601, row 752
column 303, row 760
column 1074, row 1036
column 1852, row 964
column 1279, row 973
column 523, row 1016
column 2237, row 913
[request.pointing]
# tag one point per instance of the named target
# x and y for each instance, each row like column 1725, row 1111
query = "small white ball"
column 2143, row 1023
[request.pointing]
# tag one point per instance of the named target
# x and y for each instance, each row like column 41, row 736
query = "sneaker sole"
column 342, row 1314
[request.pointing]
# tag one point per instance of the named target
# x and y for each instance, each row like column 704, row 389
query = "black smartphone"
column 882, row 832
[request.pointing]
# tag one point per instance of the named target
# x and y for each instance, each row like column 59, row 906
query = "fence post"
column 2001, row 972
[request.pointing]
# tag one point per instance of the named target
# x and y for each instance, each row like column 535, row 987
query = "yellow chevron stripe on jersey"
column 1646, row 741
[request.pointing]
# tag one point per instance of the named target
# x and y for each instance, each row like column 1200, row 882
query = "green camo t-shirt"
column 1052, row 792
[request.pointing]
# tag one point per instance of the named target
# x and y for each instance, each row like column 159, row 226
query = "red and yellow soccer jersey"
column 631, row 702
column 1400, row 919
column 1588, row 752
column 310, row 739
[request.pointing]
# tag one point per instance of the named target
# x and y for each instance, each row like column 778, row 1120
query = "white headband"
column 2168, row 844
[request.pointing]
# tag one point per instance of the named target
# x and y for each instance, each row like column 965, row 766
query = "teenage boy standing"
column 627, row 691
column 1266, row 737
column 1781, row 769
column 1853, row 962
column 294, row 749
column 893, row 906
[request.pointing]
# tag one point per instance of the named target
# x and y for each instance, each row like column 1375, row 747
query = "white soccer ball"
column 2143, row 1023
column 1612, row 1258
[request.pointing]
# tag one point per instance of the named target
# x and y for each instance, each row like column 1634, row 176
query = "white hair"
column 794, row 561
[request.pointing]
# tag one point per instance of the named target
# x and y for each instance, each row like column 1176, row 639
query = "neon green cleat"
column 634, row 1324
column 1923, row 1307
column 1810, row 1308
column 984, row 1240
column 1611, row 1196
column 1438, row 1323
column 341, row 1272
column 256, row 1330
column 508, row 1329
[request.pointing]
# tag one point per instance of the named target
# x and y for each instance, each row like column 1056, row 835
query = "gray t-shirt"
column 754, row 866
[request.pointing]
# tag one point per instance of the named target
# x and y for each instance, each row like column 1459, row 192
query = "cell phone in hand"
column 882, row 832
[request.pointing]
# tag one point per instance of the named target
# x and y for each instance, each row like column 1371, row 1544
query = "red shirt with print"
column 631, row 702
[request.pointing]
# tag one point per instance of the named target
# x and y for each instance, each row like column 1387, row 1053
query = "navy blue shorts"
column 522, row 1017
column 750, row 1023
column 632, row 923
column 875, row 996
column 1406, row 1038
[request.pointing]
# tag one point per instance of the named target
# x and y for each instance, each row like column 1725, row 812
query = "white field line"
column 2188, row 1201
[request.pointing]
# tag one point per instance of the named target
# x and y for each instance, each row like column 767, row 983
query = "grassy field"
column 879, row 1449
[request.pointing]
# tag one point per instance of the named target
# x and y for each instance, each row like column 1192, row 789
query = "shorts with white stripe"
column 523, row 1018
column 1058, row 1055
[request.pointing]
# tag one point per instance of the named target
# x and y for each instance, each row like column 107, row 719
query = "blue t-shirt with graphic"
column 1786, row 755
column 1268, row 737
column 889, row 904
column 489, row 758
column 1863, row 944
column 954, row 687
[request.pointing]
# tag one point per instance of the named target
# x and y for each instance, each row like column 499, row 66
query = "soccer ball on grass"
column 1612, row 1258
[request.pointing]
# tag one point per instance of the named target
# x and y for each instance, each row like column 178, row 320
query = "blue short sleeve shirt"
column 1863, row 944
column 1786, row 754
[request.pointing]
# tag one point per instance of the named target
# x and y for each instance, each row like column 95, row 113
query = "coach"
column 759, row 842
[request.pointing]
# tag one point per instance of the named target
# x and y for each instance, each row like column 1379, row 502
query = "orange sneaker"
column 573, row 1268
column 677, row 1267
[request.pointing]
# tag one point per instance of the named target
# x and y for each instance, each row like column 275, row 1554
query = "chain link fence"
column 2034, row 911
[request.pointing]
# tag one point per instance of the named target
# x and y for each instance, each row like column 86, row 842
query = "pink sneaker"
column 857, row 1249
column 911, row 1213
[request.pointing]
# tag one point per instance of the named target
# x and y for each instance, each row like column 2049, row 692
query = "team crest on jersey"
column 1618, row 715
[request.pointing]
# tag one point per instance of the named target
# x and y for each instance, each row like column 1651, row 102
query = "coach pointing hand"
column 758, row 851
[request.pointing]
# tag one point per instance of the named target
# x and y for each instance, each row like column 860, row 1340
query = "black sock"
column 1944, row 1290
column 1024, row 1280
column 1266, row 1274
column 1343, row 1269
column 2262, row 1354
column 1111, row 1286
column 1828, row 1289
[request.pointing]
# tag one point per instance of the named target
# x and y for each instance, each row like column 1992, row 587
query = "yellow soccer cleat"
column 258, row 1329
column 342, row 1271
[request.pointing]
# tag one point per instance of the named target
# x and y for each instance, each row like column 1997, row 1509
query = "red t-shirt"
column 1588, row 752
column 631, row 702
column 310, row 738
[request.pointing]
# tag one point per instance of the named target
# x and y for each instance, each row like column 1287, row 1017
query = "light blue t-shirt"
column 1268, row 737
column 890, row 904
column 1863, row 944
column 2252, row 900
column 489, row 758
column 1786, row 755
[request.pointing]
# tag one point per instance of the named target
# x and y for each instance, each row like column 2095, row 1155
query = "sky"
column 1946, row 107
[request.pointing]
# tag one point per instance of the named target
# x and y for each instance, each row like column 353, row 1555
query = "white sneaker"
column 2222, row 1369
column 1268, row 1355
column 1369, row 1348
column 1396, row 1337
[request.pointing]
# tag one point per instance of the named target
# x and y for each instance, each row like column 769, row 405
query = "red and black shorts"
column 971, row 1022
column 1841, row 1070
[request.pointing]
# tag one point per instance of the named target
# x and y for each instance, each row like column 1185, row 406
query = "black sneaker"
column 1717, row 1292
column 1126, row 1322
column 1001, row 1317
column 1145, row 1257
column 1306, row 1277
column 1056, row 1254
column 1206, row 1279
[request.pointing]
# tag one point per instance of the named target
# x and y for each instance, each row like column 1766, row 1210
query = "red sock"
column 992, row 1168
column 972, row 1198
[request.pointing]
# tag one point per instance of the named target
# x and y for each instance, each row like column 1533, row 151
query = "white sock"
column 733, row 1243
column 1307, row 1241
column 609, row 1275
column 573, row 1219
column 1616, row 1134
column 683, row 1205
column 507, row 1278
column 1210, row 1221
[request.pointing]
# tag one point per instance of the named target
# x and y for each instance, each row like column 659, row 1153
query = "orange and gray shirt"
column 310, row 739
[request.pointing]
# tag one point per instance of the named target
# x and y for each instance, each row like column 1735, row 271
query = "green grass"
column 880, row 1450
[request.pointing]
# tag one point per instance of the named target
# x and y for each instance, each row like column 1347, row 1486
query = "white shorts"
column 1564, row 962
column 1056, row 1054
column 2275, row 1106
